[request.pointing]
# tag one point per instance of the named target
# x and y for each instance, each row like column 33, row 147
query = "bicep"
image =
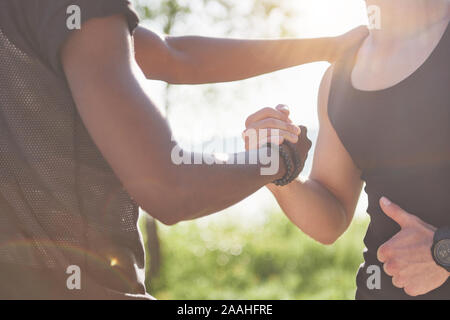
column 333, row 167
column 154, row 55
column 107, row 88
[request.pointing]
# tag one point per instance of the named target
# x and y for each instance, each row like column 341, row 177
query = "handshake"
column 272, row 128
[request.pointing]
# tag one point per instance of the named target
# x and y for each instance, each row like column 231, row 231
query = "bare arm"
column 134, row 138
column 196, row 60
column 324, row 205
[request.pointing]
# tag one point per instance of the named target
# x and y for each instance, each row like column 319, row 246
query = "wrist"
column 292, row 164
column 282, row 170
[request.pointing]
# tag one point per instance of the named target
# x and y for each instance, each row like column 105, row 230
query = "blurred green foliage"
column 273, row 260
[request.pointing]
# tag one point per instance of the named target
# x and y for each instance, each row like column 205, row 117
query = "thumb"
column 396, row 213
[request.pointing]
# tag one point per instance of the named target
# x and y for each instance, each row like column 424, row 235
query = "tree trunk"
column 153, row 246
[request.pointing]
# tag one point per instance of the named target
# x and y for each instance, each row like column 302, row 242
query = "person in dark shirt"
column 82, row 145
column 384, row 111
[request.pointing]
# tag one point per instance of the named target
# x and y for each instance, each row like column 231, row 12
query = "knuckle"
column 382, row 251
column 391, row 267
column 411, row 291
column 249, row 121
column 387, row 268
column 293, row 128
column 266, row 111
column 394, row 265
column 397, row 282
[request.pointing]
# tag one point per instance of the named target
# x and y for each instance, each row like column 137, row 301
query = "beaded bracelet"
column 290, row 168
column 299, row 163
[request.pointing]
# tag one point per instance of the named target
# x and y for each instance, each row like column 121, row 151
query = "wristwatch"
column 441, row 248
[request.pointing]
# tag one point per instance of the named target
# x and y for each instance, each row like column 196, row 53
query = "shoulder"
column 335, row 88
column 101, row 49
column 55, row 21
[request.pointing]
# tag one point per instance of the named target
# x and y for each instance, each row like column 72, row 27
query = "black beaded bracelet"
column 285, row 154
column 298, row 162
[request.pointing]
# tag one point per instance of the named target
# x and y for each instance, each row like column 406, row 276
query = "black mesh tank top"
column 60, row 202
column 400, row 139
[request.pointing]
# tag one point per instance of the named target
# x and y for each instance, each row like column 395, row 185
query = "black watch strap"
column 441, row 248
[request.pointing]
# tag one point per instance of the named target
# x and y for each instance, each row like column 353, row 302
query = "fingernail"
column 385, row 201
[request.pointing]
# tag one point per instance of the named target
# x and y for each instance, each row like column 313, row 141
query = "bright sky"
column 200, row 113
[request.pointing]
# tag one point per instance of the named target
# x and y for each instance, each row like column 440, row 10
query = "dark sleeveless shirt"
column 399, row 138
column 61, row 205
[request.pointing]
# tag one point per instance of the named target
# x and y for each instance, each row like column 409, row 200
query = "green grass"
column 270, row 261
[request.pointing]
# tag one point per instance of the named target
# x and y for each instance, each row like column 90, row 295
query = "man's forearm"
column 195, row 190
column 197, row 60
column 313, row 209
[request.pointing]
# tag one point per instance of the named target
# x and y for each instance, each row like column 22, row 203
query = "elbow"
column 166, row 216
column 171, row 217
column 170, row 199
column 328, row 241
column 332, row 234
column 182, row 209
column 165, row 209
column 335, row 229
column 169, row 221
column 172, row 207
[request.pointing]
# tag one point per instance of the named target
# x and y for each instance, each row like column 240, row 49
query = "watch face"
column 442, row 252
